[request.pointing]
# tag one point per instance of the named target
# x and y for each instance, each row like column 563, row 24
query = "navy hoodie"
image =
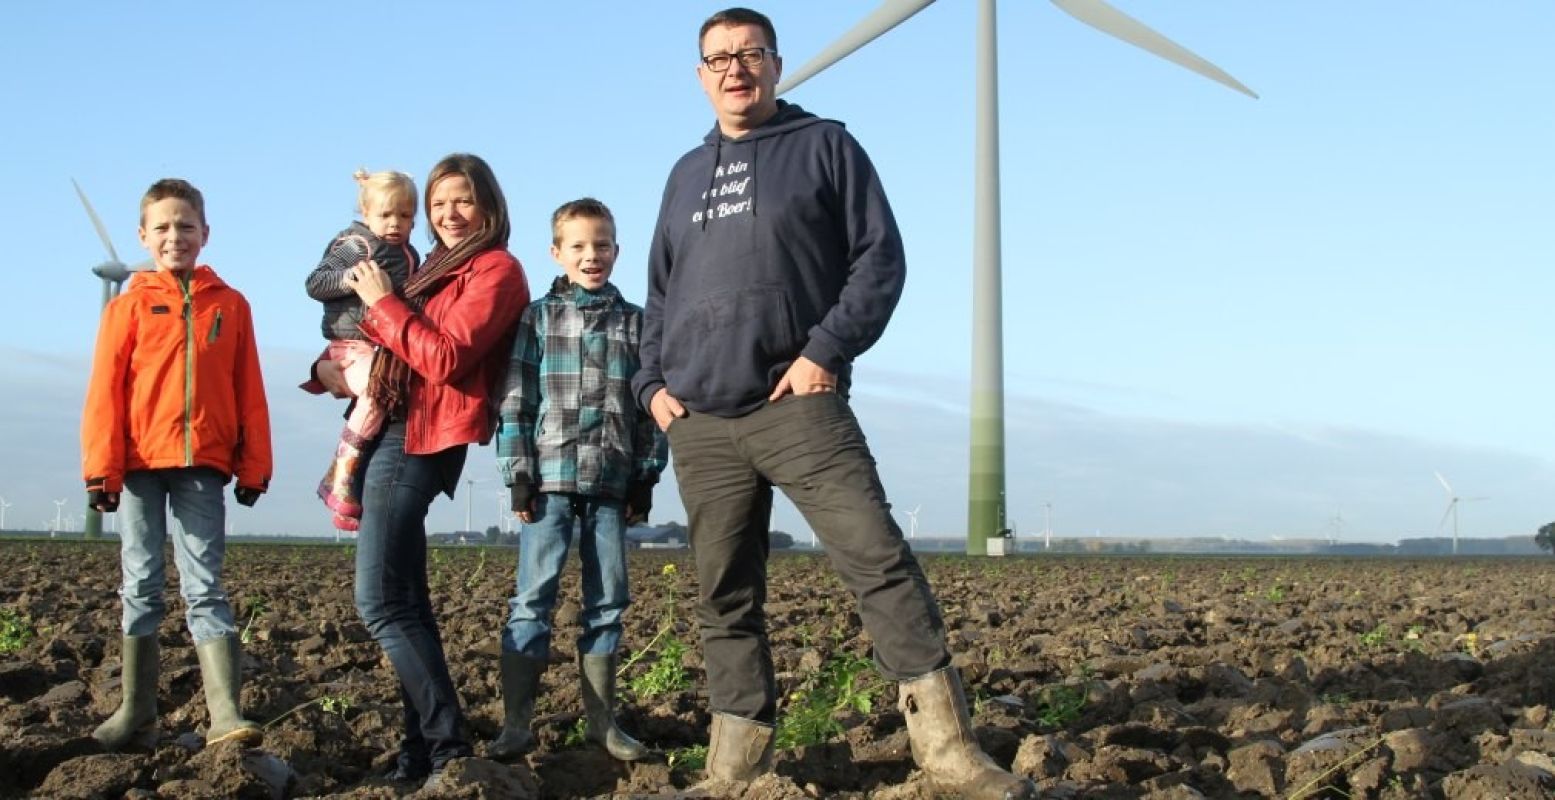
column 777, row 244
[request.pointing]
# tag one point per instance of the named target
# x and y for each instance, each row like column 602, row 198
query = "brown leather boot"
column 739, row 749
column 943, row 744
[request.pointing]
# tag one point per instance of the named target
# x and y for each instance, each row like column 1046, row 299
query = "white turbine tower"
column 4, row 504
column 1047, row 526
column 1452, row 509
column 59, row 515
column 986, row 501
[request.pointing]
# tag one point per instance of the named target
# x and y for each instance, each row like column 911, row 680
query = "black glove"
column 523, row 495
column 106, row 502
column 246, row 496
column 639, row 501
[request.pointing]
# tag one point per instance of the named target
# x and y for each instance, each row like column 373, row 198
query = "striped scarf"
column 388, row 385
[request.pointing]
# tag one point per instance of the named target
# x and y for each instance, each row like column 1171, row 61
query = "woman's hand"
column 369, row 282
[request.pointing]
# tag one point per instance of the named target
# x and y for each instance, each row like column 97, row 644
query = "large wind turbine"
column 1452, row 509
column 113, row 273
column 985, row 501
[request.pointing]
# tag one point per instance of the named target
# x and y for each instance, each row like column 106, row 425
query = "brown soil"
column 1097, row 677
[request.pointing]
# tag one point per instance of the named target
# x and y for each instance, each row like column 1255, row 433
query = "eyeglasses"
column 750, row 58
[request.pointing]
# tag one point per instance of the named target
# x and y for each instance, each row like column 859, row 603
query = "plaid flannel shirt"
column 569, row 422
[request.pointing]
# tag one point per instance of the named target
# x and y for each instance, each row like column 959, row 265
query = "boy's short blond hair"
column 584, row 207
column 176, row 188
column 395, row 187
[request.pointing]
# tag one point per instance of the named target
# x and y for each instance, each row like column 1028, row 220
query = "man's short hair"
column 738, row 16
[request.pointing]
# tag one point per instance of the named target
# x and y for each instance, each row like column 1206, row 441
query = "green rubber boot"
column 136, row 720
column 599, row 704
column 221, row 670
column 520, row 683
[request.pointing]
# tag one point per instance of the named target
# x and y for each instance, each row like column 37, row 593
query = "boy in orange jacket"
column 175, row 408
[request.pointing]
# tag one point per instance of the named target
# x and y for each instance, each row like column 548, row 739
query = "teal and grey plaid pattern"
column 569, row 422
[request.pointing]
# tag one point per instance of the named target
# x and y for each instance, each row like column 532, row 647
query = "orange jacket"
column 176, row 383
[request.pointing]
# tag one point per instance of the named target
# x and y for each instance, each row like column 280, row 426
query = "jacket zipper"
column 188, row 374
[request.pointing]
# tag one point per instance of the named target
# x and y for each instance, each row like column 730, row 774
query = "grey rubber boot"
column 136, row 719
column 221, row 669
column 943, row 744
column 520, row 683
column 598, row 674
column 739, row 749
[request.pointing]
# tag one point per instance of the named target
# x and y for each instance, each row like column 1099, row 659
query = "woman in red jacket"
column 443, row 351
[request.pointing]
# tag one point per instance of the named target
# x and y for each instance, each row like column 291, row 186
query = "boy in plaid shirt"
column 574, row 447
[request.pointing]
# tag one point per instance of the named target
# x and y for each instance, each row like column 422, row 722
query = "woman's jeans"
column 542, row 554
column 392, row 595
column 810, row 447
column 199, row 547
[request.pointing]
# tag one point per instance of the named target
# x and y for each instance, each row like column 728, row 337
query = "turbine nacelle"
column 112, row 271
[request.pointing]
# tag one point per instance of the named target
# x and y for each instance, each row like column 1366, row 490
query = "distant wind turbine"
column 59, row 514
column 985, row 500
column 1452, row 509
column 912, row 517
column 4, row 504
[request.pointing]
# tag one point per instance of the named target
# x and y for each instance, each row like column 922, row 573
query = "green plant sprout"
column 480, row 567
column 15, row 631
column 809, row 717
column 577, row 735
column 255, row 606
column 1376, row 637
column 693, row 758
column 667, row 673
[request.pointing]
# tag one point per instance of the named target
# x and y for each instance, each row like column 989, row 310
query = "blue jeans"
column 392, row 595
column 199, row 547
column 542, row 553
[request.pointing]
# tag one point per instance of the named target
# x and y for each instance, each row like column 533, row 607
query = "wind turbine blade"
column 1113, row 22
column 102, row 232
column 1445, row 514
column 1445, row 484
column 890, row 14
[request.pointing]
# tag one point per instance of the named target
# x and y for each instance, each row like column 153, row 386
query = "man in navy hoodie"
column 775, row 262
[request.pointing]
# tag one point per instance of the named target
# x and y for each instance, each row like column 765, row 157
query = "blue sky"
column 1223, row 316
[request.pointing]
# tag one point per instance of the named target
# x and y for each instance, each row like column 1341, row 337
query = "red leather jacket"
column 457, row 348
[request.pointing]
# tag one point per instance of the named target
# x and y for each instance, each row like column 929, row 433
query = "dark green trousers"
column 810, row 447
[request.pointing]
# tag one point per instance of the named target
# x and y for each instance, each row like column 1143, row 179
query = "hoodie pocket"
column 728, row 341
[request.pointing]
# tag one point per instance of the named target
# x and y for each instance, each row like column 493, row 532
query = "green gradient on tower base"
column 985, row 493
